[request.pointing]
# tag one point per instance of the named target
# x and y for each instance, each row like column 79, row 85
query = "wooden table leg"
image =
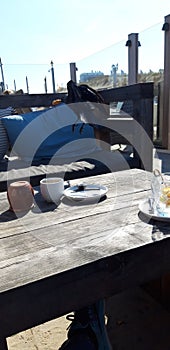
column 165, row 290
column 3, row 343
column 102, row 136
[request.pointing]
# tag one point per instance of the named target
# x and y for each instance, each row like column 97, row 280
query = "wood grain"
column 57, row 259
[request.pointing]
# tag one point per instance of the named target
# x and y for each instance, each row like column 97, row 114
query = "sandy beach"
column 48, row 336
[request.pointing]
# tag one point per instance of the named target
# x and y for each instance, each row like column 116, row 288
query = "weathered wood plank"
column 29, row 100
column 131, row 92
column 50, row 298
column 44, row 214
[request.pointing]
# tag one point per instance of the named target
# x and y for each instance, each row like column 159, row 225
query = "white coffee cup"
column 52, row 189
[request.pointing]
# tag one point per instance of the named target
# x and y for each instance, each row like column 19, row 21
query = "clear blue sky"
column 35, row 32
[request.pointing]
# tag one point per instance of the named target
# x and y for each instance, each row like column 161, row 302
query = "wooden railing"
column 141, row 96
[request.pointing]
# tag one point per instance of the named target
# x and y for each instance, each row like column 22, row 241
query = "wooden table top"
column 57, row 259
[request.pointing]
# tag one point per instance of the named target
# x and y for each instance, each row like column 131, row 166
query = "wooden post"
column 166, row 87
column 45, row 84
column 15, row 88
column 52, row 75
column 73, row 70
column 132, row 44
column 27, row 85
column 2, row 74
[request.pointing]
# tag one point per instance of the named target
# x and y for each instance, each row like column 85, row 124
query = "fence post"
column 166, row 86
column 133, row 45
column 45, row 84
column 15, row 88
column 2, row 74
column 27, row 85
column 73, row 70
column 52, row 75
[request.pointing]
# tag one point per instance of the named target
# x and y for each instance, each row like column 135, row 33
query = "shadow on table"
column 9, row 215
column 41, row 205
column 160, row 228
column 72, row 202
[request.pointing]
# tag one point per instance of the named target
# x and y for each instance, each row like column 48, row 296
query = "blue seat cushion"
column 49, row 133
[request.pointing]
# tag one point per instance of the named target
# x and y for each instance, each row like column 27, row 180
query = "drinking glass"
column 164, row 201
column 155, row 190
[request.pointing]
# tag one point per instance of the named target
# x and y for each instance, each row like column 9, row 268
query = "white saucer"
column 91, row 192
column 144, row 207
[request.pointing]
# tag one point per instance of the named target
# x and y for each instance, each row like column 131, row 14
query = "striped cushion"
column 4, row 142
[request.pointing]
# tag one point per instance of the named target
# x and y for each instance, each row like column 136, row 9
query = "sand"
column 48, row 336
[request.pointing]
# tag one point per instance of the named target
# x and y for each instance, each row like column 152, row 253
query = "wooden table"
column 57, row 259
